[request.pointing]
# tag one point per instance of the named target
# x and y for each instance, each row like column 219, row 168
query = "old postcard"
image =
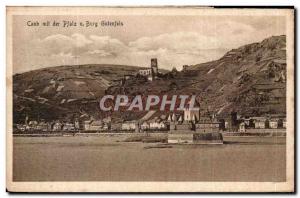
column 150, row 99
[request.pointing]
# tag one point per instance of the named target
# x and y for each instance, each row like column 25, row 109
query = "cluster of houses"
column 95, row 125
column 140, row 126
column 190, row 120
column 267, row 122
column 187, row 120
column 49, row 126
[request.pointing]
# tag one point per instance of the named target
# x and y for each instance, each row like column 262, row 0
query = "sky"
column 173, row 40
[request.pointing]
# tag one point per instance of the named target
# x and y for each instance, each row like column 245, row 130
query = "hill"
column 249, row 80
column 60, row 92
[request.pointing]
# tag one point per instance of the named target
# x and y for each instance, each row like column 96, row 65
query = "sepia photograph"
column 150, row 99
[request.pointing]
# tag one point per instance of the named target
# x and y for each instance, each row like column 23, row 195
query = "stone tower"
column 154, row 68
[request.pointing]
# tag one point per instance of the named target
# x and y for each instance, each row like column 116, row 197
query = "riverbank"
column 250, row 133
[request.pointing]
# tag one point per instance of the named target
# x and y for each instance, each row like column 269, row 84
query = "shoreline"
column 68, row 134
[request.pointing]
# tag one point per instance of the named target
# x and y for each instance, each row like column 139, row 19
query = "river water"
column 103, row 158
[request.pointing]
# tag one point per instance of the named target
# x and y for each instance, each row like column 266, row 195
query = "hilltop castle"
column 152, row 72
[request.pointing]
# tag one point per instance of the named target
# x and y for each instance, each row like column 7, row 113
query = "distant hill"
column 249, row 80
column 58, row 92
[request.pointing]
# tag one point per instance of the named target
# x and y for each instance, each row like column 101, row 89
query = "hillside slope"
column 60, row 92
column 249, row 80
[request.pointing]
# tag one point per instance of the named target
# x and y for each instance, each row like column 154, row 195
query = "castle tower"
column 154, row 68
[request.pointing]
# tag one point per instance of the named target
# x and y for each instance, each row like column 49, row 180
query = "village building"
column 179, row 127
column 191, row 115
column 180, row 119
column 259, row 122
column 21, row 127
column 180, row 131
column 116, row 127
column 32, row 125
column 68, row 127
column 242, row 127
column 184, row 127
column 86, row 125
column 129, row 126
column 156, row 125
column 57, row 126
column 145, row 126
column 284, row 123
column 172, row 117
column 172, row 126
column 169, row 118
column 105, row 127
column 96, row 125
column 178, row 123
column 273, row 123
column 246, row 121
column 42, row 126
column 77, row 125
column 207, row 124
column 225, row 122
